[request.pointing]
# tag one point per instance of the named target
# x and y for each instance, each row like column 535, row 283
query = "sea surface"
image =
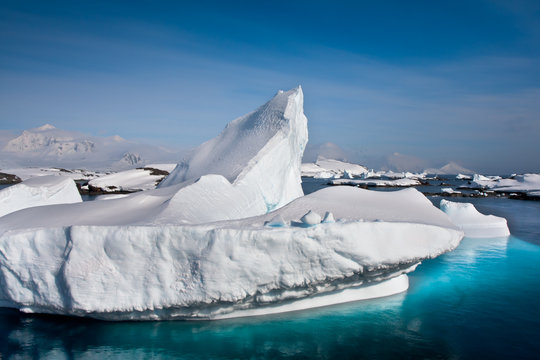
column 480, row 301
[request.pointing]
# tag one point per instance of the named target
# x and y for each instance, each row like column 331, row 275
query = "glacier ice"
column 222, row 236
column 474, row 223
column 211, row 270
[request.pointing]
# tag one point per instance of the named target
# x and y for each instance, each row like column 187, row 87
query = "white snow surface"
column 128, row 180
column 39, row 191
column 259, row 153
column 474, row 223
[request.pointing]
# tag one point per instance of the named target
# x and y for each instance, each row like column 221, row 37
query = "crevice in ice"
column 62, row 282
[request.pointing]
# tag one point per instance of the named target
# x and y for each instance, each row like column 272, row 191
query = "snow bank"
column 259, row 153
column 217, row 269
column 43, row 190
column 130, row 180
column 472, row 222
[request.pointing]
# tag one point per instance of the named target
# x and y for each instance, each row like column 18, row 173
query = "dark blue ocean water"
column 480, row 301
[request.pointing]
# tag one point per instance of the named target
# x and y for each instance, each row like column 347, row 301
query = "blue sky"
column 433, row 80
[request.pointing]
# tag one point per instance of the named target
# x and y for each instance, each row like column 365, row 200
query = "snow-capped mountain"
column 450, row 169
column 49, row 146
column 51, row 140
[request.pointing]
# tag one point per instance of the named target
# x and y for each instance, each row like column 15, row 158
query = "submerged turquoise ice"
column 481, row 300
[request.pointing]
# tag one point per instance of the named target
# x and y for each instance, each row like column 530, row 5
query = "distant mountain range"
column 49, row 146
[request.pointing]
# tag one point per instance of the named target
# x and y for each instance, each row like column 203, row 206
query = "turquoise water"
column 479, row 301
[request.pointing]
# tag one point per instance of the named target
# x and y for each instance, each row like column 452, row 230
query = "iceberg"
column 222, row 236
column 474, row 223
column 38, row 191
column 219, row 269
column 259, row 153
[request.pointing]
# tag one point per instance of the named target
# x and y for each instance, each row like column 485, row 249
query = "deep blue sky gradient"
column 435, row 80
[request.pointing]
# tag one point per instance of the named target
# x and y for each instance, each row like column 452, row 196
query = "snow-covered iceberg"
column 218, row 269
column 38, row 191
column 222, row 236
column 474, row 223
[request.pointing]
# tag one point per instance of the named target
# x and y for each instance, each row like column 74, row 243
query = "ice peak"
column 260, row 150
column 45, row 127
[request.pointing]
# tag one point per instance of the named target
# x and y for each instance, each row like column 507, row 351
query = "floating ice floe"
column 449, row 191
column 221, row 237
column 403, row 182
column 472, row 222
column 525, row 184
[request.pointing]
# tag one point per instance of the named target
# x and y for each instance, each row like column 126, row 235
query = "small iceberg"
column 474, row 223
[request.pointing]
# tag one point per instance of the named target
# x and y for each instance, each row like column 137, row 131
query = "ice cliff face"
column 259, row 153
